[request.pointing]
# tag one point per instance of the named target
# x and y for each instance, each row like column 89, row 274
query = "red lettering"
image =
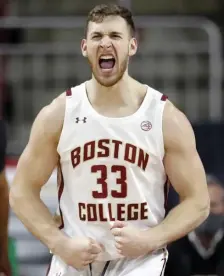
column 143, row 159
column 75, row 157
column 111, row 212
column 81, row 209
column 89, row 150
column 143, row 211
column 130, row 153
column 132, row 211
column 121, row 180
column 116, row 147
column 101, row 180
column 101, row 217
column 121, row 211
column 111, row 218
column 91, row 212
column 105, row 150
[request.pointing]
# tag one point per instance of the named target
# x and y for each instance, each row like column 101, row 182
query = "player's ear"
column 84, row 47
column 133, row 46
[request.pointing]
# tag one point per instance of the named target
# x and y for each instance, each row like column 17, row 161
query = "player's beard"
column 113, row 79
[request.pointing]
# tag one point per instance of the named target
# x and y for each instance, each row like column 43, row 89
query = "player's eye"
column 96, row 36
column 116, row 36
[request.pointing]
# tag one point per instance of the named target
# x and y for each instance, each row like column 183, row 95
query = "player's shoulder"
column 55, row 110
column 176, row 125
column 172, row 116
column 49, row 121
column 53, row 114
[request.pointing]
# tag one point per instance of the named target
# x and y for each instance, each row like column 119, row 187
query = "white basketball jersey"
column 110, row 168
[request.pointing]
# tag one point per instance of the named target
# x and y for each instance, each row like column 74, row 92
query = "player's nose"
column 105, row 42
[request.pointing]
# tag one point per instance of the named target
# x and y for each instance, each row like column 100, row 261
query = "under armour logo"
column 80, row 120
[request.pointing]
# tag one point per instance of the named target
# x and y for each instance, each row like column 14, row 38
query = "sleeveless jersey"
column 111, row 169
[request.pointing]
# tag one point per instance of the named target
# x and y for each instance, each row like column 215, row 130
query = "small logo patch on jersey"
column 80, row 120
column 146, row 125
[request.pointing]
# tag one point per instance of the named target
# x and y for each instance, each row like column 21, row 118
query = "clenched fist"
column 78, row 252
column 130, row 241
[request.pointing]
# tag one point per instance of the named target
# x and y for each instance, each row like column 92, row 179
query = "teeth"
column 106, row 57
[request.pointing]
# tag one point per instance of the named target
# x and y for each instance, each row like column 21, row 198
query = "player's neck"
column 121, row 93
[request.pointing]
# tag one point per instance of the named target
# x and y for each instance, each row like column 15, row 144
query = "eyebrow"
column 110, row 33
column 116, row 33
column 96, row 33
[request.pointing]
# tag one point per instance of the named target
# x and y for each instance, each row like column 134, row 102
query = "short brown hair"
column 99, row 12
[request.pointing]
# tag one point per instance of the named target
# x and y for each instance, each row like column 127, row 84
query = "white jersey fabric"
column 110, row 168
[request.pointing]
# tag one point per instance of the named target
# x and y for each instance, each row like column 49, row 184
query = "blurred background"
column 180, row 54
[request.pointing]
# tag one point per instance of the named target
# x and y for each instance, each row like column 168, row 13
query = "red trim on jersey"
column 105, row 268
column 164, row 264
column 164, row 98
column 60, row 180
column 69, row 92
column 49, row 267
column 11, row 162
column 166, row 192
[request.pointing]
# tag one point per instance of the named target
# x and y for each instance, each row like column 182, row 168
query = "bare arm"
column 35, row 167
column 186, row 173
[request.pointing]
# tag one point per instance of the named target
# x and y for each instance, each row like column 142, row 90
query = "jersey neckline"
column 136, row 114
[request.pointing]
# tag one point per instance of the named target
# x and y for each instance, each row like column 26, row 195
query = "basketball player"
column 4, row 204
column 115, row 142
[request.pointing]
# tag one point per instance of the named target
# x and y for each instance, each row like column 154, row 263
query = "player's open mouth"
column 106, row 62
